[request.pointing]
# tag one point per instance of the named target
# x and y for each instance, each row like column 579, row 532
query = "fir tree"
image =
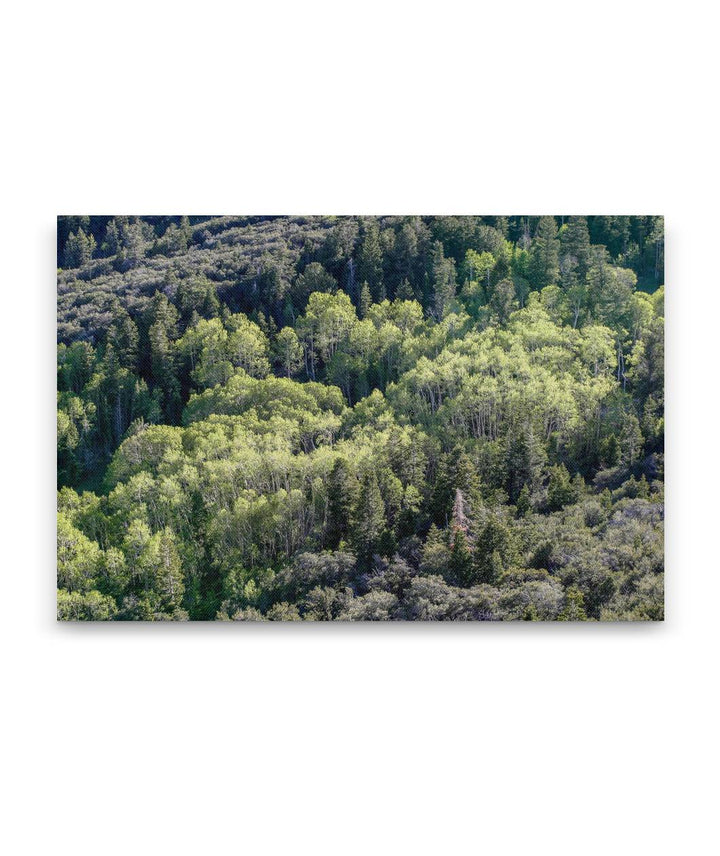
column 495, row 550
column 578, row 487
column 435, row 554
column 163, row 369
column 524, row 460
column 575, row 245
column 369, row 518
column 370, row 260
column 342, row 498
column 443, row 280
column 560, row 491
column 455, row 472
column 79, row 249
column 544, row 254
column 405, row 291
column 523, row 505
column 461, row 560
column 124, row 337
column 364, row 301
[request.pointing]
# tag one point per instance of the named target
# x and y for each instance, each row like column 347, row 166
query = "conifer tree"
column 455, row 472
column 163, row 369
column 342, row 499
column 113, row 242
column 406, row 252
column 365, row 300
column 524, row 460
column 370, row 260
column 79, row 249
column 461, row 559
column 124, row 337
column 575, row 245
column 574, row 289
column 523, row 505
column 578, row 487
column 436, row 554
column 162, row 311
column 405, row 291
column 443, row 280
column 544, row 254
column 369, row 517
column 560, row 491
column 495, row 550
column 504, row 268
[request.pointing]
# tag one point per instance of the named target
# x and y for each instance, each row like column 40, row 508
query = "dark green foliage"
column 342, row 500
column 560, row 492
column 443, row 281
column 544, row 254
column 124, row 337
column 460, row 563
column 364, row 301
column 524, row 460
column 369, row 518
column 456, row 471
column 495, row 550
column 523, row 505
column 79, row 249
column 313, row 278
column 575, row 246
column 370, row 261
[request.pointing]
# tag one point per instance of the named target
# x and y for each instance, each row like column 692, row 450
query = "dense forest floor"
column 361, row 418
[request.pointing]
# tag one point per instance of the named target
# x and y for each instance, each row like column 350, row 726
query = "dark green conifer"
column 342, row 497
column 369, row 518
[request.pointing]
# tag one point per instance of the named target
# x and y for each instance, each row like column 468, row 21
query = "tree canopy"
column 360, row 418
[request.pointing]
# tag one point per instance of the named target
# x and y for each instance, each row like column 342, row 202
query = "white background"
column 358, row 739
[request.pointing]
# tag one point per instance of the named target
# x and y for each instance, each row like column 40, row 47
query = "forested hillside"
column 356, row 418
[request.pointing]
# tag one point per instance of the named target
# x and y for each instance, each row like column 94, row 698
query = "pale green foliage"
column 78, row 558
column 214, row 348
column 288, row 351
column 92, row 606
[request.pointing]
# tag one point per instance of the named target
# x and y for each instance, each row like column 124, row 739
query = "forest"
column 357, row 418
